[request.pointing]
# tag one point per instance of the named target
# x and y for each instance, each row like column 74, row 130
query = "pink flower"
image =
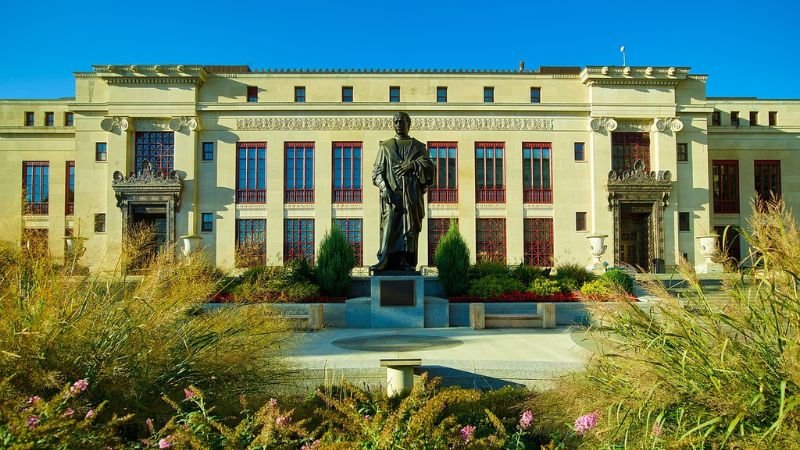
column 34, row 400
column 165, row 442
column 273, row 402
column 79, row 386
column 656, row 429
column 526, row 419
column 586, row 422
column 467, row 432
column 89, row 414
column 366, row 417
column 149, row 424
column 311, row 446
column 283, row 421
column 68, row 412
column 33, row 421
column 188, row 393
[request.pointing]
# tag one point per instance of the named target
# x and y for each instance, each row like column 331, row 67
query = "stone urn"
column 189, row 244
column 708, row 248
column 597, row 248
column 73, row 251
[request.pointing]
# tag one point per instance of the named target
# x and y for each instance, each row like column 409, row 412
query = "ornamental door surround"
column 641, row 188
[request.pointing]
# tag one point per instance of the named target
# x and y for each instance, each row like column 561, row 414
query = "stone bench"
column 312, row 320
column 545, row 317
column 399, row 374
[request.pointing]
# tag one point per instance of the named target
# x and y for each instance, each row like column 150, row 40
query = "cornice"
column 385, row 123
column 633, row 76
column 152, row 74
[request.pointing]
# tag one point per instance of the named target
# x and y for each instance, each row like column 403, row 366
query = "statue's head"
column 402, row 123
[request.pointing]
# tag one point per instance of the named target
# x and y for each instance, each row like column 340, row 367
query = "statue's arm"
column 424, row 167
column 379, row 172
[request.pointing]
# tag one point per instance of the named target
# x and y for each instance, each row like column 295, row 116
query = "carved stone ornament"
column 151, row 125
column 599, row 123
column 672, row 123
column 114, row 123
column 149, row 184
column 177, row 123
column 637, row 184
column 380, row 123
column 639, row 126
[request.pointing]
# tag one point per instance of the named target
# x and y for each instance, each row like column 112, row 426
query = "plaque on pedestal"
column 397, row 301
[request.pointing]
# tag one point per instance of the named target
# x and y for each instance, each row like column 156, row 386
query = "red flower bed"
column 517, row 297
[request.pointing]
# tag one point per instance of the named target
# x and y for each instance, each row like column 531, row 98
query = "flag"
column 622, row 49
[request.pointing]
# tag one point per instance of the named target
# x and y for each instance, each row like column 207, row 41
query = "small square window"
column 536, row 95
column 773, row 118
column 488, row 94
column 252, row 94
column 683, row 221
column 29, row 119
column 580, row 154
column 580, row 221
column 49, row 119
column 441, row 94
column 100, row 223
column 69, row 119
column 734, row 118
column 207, row 223
column 683, row 152
column 716, row 118
column 100, row 151
column 347, row 94
column 208, row 151
column 394, row 94
column 753, row 118
column 299, row 94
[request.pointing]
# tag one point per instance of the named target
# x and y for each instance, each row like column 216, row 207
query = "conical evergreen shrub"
column 452, row 261
column 334, row 263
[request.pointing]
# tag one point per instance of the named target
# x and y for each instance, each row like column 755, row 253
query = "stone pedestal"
column 397, row 301
column 399, row 374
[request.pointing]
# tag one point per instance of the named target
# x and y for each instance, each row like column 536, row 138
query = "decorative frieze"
column 152, row 125
column 385, row 123
column 638, row 126
column 599, row 123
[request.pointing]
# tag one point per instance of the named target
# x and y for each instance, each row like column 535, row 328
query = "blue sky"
column 746, row 48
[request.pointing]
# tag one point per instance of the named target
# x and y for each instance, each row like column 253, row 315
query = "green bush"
column 486, row 268
column 452, row 261
column 572, row 276
column 599, row 289
column 494, row 285
column 619, row 278
column 334, row 263
column 544, row 286
column 526, row 274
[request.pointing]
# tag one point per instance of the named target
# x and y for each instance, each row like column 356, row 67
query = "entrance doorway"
column 147, row 233
column 634, row 235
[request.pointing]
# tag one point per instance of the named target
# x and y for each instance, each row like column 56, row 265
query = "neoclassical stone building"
column 260, row 163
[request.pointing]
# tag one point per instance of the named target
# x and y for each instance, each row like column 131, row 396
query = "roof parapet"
column 628, row 75
column 152, row 74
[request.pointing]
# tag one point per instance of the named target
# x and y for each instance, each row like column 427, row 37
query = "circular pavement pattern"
column 396, row 343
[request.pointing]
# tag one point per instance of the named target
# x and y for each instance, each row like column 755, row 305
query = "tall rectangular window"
column 251, row 242
column 436, row 230
column 299, row 175
column 347, row 172
column 767, row 179
column 753, row 118
column 716, row 118
column 491, row 240
column 725, row 183
column 100, row 151
column 298, row 239
column 627, row 148
column 347, row 94
column 251, row 172
column 394, row 94
column 100, row 223
column 49, row 119
column 69, row 206
column 156, row 148
column 682, row 150
column 580, row 221
column 773, row 118
column 29, row 119
column 539, row 242
column 445, row 188
column 35, row 183
column 734, row 118
column 208, row 151
column 537, row 178
column 536, row 95
column 441, row 94
column 684, row 221
column 489, row 181
column 353, row 232
column 488, row 94
column 579, row 151
column 207, row 222
column 252, row 94
column 299, row 94
column 69, row 119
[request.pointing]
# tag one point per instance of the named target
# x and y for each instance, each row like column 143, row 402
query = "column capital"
column 115, row 123
column 178, row 122
column 598, row 123
column 662, row 124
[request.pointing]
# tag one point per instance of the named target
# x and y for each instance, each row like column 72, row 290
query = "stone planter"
column 708, row 248
column 597, row 248
column 189, row 244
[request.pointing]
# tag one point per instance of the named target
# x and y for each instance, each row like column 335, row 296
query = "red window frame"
column 36, row 188
column 30, row 119
column 251, row 184
column 298, row 186
column 156, row 147
column 252, row 94
column 538, row 242
column 541, row 190
column 487, row 187
column 298, row 239
column 347, row 172
column 69, row 189
column 627, row 148
column 767, row 178
column 490, row 240
column 49, row 119
column 436, row 230
column 251, row 242
column 725, row 185
column 69, row 119
column 445, row 186
column 353, row 230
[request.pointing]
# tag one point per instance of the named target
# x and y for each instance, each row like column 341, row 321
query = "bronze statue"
column 402, row 171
